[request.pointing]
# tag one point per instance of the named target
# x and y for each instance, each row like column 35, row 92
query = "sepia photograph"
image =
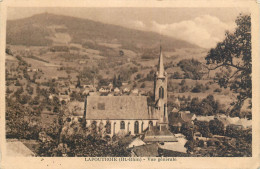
column 128, row 82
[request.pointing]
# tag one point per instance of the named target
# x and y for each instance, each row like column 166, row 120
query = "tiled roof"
column 117, row 107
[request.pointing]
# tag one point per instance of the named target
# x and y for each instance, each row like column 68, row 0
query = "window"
column 94, row 125
column 161, row 92
column 122, row 125
column 136, row 131
column 108, row 127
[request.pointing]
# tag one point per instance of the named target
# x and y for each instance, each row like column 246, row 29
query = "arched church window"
column 101, row 126
column 161, row 92
column 108, row 127
column 136, row 131
column 94, row 125
column 122, row 125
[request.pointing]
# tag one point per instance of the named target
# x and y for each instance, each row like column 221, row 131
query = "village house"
column 135, row 92
column 177, row 118
column 117, row 90
column 124, row 83
column 126, row 90
column 105, row 89
column 148, row 150
column 82, row 62
column 64, row 98
column 130, row 142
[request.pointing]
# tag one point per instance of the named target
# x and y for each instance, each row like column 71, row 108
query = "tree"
column 203, row 128
column 176, row 75
column 183, row 82
column 233, row 57
column 189, row 145
column 198, row 88
column 119, row 81
column 187, row 130
column 216, row 127
column 201, row 143
column 195, row 105
column 192, row 68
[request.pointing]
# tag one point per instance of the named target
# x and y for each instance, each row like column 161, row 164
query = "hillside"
column 48, row 29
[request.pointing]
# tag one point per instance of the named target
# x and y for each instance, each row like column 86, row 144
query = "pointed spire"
column 160, row 64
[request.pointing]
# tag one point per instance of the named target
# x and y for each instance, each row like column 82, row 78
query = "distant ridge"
column 35, row 31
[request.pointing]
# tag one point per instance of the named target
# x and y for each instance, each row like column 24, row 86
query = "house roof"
column 117, row 107
column 18, row 149
column 178, row 118
column 125, row 141
column 136, row 142
column 131, row 141
column 156, row 135
column 244, row 122
column 148, row 150
column 205, row 118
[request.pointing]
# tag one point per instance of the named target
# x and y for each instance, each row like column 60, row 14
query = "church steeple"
column 160, row 65
column 160, row 92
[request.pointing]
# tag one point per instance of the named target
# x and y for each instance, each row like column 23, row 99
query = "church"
column 131, row 114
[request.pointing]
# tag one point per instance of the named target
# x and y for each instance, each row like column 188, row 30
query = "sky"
column 204, row 27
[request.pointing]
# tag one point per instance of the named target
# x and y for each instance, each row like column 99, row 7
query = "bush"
column 176, row 75
column 198, row 88
column 218, row 90
column 183, row 82
column 201, row 143
column 209, row 143
column 143, row 85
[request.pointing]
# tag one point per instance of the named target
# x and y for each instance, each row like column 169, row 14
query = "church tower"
column 160, row 92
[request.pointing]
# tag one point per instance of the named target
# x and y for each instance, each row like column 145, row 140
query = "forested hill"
column 40, row 29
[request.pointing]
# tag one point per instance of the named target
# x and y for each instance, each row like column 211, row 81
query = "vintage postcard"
column 129, row 84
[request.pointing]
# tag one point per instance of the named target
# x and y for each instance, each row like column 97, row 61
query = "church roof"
column 117, row 107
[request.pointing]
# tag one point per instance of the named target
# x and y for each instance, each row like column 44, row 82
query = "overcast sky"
column 201, row 26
